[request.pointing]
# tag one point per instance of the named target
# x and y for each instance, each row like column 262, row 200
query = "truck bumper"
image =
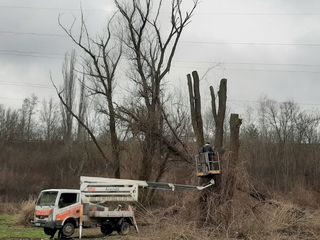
column 46, row 224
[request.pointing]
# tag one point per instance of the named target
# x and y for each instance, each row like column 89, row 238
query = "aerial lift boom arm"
column 95, row 189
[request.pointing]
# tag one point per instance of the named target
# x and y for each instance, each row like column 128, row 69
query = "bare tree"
column 103, row 56
column 150, row 53
column 27, row 112
column 68, row 93
column 280, row 119
column 50, row 118
column 9, row 124
column 82, row 109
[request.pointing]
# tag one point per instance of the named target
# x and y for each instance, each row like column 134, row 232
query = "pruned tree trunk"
column 195, row 107
column 230, row 177
column 219, row 114
column 235, row 123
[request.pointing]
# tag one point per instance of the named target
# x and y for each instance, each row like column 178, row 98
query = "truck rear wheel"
column 106, row 228
column 67, row 229
column 123, row 228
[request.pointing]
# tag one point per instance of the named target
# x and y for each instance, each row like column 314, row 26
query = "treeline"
column 282, row 145
column 34, row 121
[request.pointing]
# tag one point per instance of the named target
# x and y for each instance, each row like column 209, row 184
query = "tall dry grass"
column 26, row 211
column 250, row 219
column 9, row 208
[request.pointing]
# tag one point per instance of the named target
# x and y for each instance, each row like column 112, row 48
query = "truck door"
column 68, row 207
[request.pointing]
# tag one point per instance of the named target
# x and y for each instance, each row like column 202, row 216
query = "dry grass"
column 9, row 208
column 242, row 218
column 26, row 212
column 301, row 196
column 173, row 230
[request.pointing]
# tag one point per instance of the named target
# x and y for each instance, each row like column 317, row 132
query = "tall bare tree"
column 82, row 108
column 49, row 115
column 27, row 112
column 68, row 93
column 102, row 59
column 150, row 52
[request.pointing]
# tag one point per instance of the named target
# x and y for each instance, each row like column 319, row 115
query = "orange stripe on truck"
column 72, row 212
column 45, row 212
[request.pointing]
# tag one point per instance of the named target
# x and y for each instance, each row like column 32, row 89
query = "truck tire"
column 67, row 229
column 106, row 228
column 49, row 231
column 123, row 228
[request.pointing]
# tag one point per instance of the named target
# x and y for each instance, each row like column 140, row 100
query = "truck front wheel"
column 67, row 229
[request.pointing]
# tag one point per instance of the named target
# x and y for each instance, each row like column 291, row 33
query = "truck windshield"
column 47, row 198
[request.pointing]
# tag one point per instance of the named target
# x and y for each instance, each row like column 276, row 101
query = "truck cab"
column 58, row 209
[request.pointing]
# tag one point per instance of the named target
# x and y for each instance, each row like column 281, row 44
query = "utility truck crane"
column 100, row 202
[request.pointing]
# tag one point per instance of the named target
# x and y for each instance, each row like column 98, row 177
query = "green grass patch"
column 10, row 229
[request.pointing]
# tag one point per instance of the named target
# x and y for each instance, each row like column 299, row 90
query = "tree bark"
column 195, row 107
column 69, row 78
column 114, row 137
column 235, row 123
column 219, row 115
column 197, row 104
column 230, row 177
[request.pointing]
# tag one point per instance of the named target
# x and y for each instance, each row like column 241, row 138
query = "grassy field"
column 10, row 229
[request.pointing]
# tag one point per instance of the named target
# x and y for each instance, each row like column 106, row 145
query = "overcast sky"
column 262, row 47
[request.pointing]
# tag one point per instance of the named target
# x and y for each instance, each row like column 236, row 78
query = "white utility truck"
column 98, row 203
